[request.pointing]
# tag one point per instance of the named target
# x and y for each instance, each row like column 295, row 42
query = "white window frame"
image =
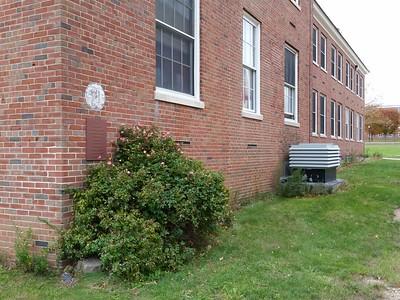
column 339, row 124
column 361, row 128
column 294, row 122
column 256, row 113
column 347, row 74
column 357, row 79
column 352, row 78
column 347, row 123
column 339, row 74
column 334, row 62
column 322, row 124
column 315, row 44
column 171, row 96
column 315, row 99
column 296, row 3
column 357, row 127
column 351, row 125
column 324, row 64
column 334, row 118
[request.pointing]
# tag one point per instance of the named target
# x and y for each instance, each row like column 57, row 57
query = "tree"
column 391, row 121
column 380, row 120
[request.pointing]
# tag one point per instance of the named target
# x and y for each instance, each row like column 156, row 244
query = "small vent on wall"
column 251, row 146
column 96, row 139
column 183, row 142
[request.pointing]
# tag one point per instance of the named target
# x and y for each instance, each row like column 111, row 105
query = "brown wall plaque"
column 96, row 139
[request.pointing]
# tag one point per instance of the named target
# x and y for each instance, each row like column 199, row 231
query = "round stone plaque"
column 95, row 96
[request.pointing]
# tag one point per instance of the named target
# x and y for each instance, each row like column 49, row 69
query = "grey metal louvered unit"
column 318, row 160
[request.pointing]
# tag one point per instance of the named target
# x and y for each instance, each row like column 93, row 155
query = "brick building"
column 234, row 84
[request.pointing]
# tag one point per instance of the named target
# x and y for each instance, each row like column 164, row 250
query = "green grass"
column 311, row 248
column 389, row 150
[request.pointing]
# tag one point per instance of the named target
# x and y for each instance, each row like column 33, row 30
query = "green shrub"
column 295, row 186
column 377, row 155
column 25, row 259
column 146, row 211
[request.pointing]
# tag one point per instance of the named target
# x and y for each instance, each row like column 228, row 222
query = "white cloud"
column 371, row 28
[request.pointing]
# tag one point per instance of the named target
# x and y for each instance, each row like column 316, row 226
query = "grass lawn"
column 389, row 150
column 311, row 248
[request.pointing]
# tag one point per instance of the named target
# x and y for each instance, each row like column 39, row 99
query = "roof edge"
column 320, row 15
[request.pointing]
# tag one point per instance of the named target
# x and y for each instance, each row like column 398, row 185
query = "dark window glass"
column 290, row 67
column 175, row 46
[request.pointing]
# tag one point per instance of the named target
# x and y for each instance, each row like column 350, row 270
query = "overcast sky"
column 373, row 30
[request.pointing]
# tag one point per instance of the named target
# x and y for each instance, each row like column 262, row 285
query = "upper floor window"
column 290, row 87
column 362, row 87
column 323, row 52
column 177, row 49
column 357, row 84
column 315, row 44
column 322, row 115
column 296, row 2
column 314, row 113
column 351, row 125
column 351, row 78
column 347, row 74
column 340, row 67
column 333, row 61
column 251, row 65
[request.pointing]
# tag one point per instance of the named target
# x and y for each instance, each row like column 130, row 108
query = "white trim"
column 257, row 62
column 178, row 98
column 252, row 115
column 339, row 54
column 323, row 37
column 316, row 45
column 316, row 94
column 172, row 96
column 334, row 62
column 334, row 118
column 296, row 3
column 292, row 123
column 296, row 87
column 332, row 30
column 319, row 115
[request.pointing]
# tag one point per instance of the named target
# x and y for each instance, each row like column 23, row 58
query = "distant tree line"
column 381, row 121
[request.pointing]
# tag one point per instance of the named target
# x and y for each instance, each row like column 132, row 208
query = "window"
column 333, row 61
column 357, row 127
column 314, row 112
column 251, row 65
column 177, row 49
column 347, row 124
column 290, row 84
column 296, row 2
column 361, row 87
column 351, row 78
column 340, row 67
column 339, row 120
column 333, row 119
column 347, row 74
column 357, row 84
column 315, row 45
column 322, row 115
column 351, row 125
column 323, row 52
column 361, row 128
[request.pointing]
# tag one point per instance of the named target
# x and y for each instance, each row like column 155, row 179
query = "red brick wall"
column 30, row 118
column 50, row 52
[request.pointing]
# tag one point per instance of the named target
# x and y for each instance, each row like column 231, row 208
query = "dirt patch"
column 397, row 215
column 388, row 293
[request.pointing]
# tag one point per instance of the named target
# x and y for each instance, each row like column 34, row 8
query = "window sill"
column 292, row 123
column 316, row 64
column 323, row 136
column 324, row 70
column 314, row 134
column 333, row 137
column 252, row 115
column 339, row 138
column 178, row 98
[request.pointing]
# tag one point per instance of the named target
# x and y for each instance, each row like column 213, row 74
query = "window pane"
column 167, row 74
column 179, row 16
column 160, row 9
column 187, row 80
column 167, row 44
column 248, row 55
column 176, row 13
column 290, row 67
column 177, row 79
column 159, row 68
column 177, row 55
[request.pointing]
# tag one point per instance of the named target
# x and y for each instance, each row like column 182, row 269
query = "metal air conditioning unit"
column 319, row 161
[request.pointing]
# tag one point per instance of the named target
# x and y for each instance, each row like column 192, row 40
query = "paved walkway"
column 391, row 158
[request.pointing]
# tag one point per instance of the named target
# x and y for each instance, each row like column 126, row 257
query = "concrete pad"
column 89, row 265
